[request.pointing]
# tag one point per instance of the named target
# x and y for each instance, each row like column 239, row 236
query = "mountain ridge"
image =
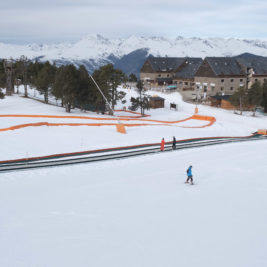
column 130, row 53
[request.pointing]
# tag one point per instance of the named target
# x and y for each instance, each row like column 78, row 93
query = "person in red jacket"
column 162, row 144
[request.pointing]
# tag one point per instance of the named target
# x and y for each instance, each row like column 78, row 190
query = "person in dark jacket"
column 189, row 175
column 174, row 143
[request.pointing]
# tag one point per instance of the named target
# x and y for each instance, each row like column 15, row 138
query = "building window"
column 232, row 80
column 168, row 75
column 185, row 83
column 232, row 88
column 222, row 80
column 222, row 88
column 256, row 80
column 159, row 75
column 212, row 88
column 241, row 80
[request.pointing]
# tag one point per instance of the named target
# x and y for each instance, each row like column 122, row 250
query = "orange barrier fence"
column 120, row 127
column 202, row 118
column 132, row 112
column 197, row 117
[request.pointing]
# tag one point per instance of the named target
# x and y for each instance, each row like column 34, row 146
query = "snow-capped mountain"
column 130, row 53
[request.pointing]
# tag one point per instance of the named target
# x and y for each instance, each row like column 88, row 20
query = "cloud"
column 58, row 20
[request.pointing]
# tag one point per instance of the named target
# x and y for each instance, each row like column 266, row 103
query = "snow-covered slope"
column 138, row 211
column 26, row 142
column 101, row 50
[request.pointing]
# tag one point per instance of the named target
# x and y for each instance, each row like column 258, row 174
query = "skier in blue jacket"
column 189, row 175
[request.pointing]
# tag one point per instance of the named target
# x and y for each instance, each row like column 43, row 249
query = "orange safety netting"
column 120, row 127
column 132, row 112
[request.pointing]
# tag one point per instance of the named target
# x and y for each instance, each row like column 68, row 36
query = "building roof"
column 156, row 98
column 220, row 97
column 257, row 63
column 189, row 68
column 168, row 64
column 225, row 66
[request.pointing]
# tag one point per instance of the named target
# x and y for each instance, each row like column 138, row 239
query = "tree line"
column 250, row 99
column 72, row 86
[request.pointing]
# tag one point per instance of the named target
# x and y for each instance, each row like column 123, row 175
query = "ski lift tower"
column 8, row 65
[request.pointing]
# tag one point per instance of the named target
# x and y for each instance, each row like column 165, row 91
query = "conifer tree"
column 255, row 96
column 240, row 98
column 66, row 85
column 21, row 70
column 2, row 78
column 264, row 96
column 142, row 101
column 57, row 88
column 132, row 78
column 45, row 80
column 84, row 95
column 2, row 75
column 100, row 79
column 109, row 79
column 2, row 95
column 33, row 70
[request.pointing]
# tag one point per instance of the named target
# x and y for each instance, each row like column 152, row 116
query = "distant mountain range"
column 129, row 54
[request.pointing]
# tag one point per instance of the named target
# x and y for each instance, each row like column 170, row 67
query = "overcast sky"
column 53, row 21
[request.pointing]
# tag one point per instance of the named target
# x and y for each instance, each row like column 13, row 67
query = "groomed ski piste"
column 135, row 211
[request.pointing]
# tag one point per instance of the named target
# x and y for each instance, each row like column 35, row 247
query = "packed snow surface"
column 136, row 211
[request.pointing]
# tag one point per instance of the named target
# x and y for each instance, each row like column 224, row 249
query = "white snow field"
column 138, row 211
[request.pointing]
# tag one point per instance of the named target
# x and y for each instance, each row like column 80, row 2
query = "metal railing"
column 117, row 153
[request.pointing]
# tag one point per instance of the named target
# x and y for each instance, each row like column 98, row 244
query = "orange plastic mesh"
column 121, row 128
